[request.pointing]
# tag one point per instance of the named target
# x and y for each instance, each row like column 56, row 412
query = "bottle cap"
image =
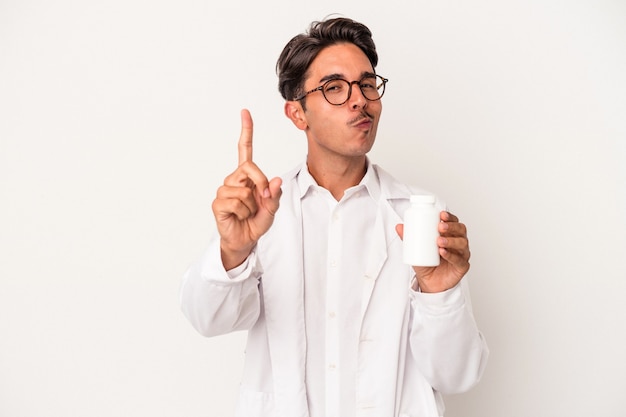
column 423, row 199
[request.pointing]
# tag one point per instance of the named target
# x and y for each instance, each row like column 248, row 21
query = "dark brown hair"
column 301, row 50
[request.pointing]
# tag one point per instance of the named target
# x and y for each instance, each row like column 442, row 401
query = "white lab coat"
column 412, row 346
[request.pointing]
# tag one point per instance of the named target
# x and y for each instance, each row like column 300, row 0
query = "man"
column 337, row 325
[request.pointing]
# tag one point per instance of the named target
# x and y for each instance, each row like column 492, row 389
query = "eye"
column 368, row 83
column 334, row 87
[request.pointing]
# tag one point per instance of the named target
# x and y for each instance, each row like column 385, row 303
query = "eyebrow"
column 341, row 76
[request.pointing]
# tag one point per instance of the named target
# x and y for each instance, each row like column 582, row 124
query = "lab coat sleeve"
column 445, row 341
column 216, row 303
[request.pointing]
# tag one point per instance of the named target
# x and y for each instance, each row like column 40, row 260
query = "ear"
column 295, row 113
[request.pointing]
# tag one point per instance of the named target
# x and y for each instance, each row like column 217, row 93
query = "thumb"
column 272, row 201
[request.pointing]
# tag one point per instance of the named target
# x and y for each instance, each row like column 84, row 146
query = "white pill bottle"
column 421, row 222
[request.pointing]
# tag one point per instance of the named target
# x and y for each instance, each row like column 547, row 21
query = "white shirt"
column 333, row 279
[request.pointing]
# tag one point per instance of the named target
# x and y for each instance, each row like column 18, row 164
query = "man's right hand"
column 245, row 205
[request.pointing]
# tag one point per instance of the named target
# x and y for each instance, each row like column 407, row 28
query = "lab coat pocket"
column 253, row 403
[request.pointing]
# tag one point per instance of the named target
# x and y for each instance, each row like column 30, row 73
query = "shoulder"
column 398, row 193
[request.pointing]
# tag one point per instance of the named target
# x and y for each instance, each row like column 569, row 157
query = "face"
column 345, row 131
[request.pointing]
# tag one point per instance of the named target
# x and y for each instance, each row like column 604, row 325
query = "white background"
column 119, row 119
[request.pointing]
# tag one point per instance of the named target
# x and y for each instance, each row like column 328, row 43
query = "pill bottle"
column 421, row 222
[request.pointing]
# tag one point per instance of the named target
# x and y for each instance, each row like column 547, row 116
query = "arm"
column 244, row 209
column 445, row 341
column 214, row 301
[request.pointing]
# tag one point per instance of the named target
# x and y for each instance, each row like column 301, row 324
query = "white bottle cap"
column 423, row 199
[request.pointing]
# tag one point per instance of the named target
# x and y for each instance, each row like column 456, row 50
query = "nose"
column 357, row 99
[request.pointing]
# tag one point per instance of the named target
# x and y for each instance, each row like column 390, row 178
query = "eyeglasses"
column 338, row 91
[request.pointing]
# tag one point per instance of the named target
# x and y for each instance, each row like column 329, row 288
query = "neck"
column 338, row 176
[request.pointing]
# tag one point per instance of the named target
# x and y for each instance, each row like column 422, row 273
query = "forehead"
column 345, row 59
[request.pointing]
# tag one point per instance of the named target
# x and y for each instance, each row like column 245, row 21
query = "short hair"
column 295, row 59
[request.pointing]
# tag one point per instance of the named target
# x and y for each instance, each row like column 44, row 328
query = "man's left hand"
column 453, row 251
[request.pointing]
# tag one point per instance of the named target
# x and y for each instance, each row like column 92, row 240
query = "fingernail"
column 266, row 193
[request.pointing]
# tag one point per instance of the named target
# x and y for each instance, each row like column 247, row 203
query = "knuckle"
column 232, row 178
column 215, row 206
column 240, row 209
column 247, row 165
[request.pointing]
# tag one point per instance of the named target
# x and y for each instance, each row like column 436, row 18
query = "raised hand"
column 454, row 252
column 245, row 205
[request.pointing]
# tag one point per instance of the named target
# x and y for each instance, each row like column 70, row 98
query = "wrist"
column 423, row 285
column 232, row 258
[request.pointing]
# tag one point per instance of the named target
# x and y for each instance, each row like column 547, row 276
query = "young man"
column 337, row 325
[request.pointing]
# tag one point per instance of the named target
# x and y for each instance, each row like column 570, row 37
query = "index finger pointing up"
column 245, row 139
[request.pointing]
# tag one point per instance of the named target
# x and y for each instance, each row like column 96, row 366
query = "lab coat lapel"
column 285, row 314
column 384, row 234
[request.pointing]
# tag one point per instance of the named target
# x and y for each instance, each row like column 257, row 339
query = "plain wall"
column 119, row 119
